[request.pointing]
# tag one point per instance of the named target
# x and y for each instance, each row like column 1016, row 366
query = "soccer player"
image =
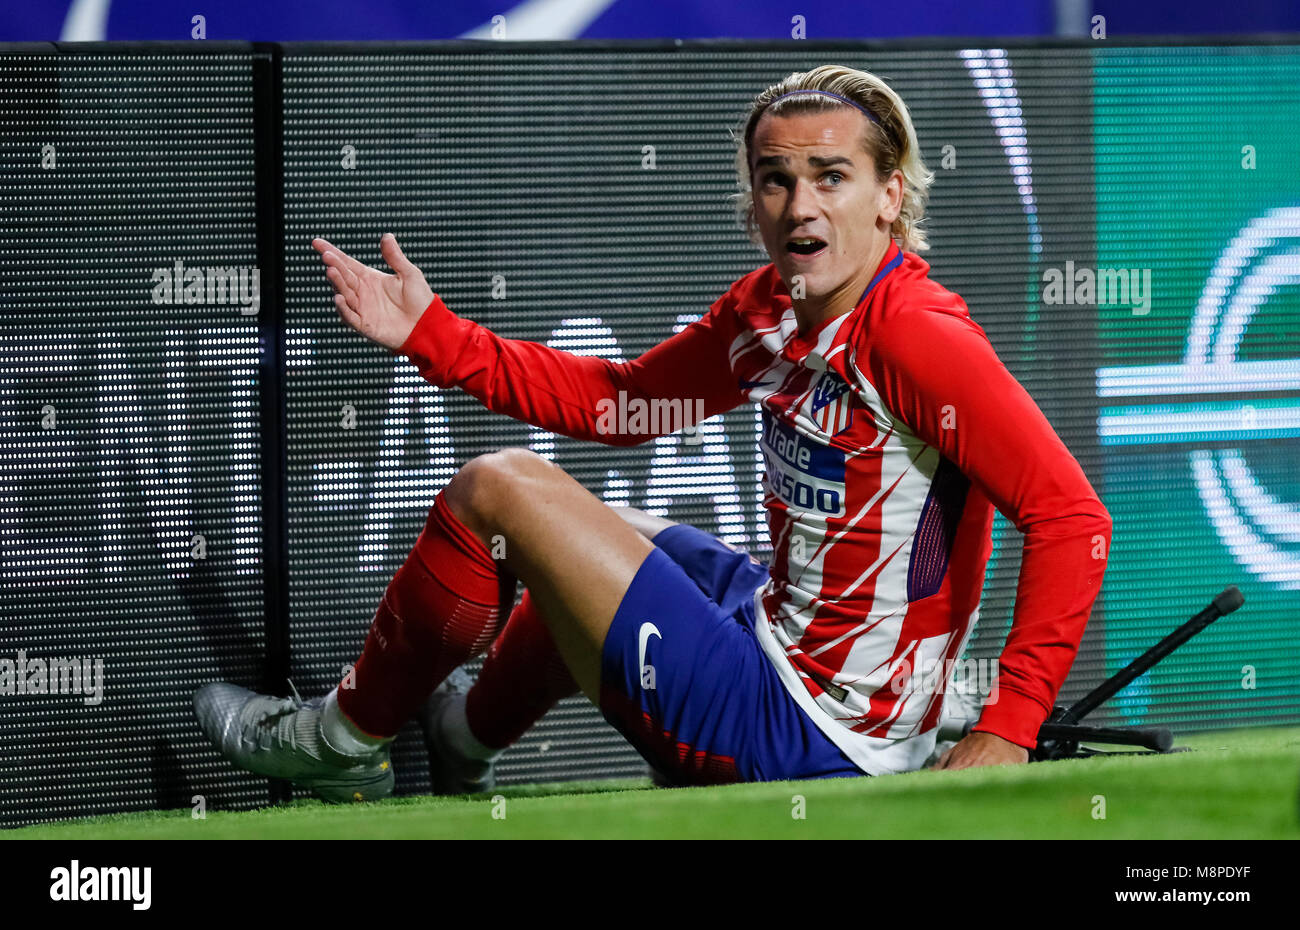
column 891, row 431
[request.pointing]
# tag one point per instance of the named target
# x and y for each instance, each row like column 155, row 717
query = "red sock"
column 441, row 608
column 523, row 676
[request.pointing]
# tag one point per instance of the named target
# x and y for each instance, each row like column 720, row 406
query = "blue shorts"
column 684, row 678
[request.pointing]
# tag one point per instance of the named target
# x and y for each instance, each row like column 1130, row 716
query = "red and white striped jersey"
column 889, row 435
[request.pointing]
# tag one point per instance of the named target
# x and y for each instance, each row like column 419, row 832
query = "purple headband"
column 826, row 93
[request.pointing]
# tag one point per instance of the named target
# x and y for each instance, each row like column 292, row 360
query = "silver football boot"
column 450, row 771
column 281, row 738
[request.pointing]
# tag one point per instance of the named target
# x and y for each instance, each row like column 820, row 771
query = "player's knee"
column 491, row 483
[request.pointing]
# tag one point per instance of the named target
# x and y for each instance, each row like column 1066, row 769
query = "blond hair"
column 890, row 140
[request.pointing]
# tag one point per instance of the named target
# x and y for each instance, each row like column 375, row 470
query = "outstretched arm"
column 382, row 307
column 570, row 394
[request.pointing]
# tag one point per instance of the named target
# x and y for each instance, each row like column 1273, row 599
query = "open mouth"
column 804, row 246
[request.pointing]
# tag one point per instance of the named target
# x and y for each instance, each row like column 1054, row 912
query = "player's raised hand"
column 382, row 307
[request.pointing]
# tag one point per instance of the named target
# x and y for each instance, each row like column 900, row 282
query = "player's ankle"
column 345, row 739
column 457, row 734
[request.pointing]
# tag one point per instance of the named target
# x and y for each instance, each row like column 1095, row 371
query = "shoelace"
column 264, row 718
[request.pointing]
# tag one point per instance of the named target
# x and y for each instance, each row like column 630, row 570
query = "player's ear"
column 891, row 197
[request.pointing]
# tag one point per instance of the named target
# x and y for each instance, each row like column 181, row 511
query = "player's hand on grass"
column 382, row 307
column 978, row 748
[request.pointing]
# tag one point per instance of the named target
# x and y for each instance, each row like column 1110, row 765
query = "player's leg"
column 680, row 671
column 575, row 555
column 647, row 524
column 683, row 680
column 468, row 725
column 682, row 676
column 523, row 674
column 572, row 552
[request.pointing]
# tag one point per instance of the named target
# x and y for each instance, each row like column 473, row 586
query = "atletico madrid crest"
column 832, row 404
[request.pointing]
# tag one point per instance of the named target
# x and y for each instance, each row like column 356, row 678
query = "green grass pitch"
column 1242, row 784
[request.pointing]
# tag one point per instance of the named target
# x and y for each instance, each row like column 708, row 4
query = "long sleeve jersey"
column 889, row 435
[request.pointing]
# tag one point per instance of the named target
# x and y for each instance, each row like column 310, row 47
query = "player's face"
column 812, row 180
